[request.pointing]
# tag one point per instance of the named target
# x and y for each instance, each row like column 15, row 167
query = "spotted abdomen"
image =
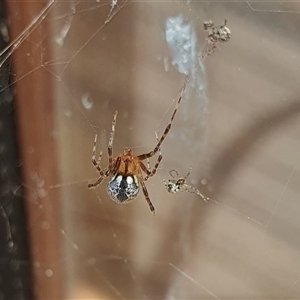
column 123, row 189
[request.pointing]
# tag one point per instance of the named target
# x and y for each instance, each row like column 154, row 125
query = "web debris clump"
column 178, row 184
column 216, row 35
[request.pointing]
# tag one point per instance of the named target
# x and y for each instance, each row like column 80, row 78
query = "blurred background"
column 72, row 64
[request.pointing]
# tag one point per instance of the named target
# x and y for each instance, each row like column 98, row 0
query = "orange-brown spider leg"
column 141, row 180
column 156, row 149
column 96, row 164
column 91, row 185
column 149, row 172
column 159, row 159
column 111, row 139
column 159, row 151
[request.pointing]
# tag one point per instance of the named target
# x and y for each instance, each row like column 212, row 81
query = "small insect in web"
column 126, row 170
column 178, row 184
column 216, row 35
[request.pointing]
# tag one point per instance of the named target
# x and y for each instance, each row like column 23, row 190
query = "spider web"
column 239, row 133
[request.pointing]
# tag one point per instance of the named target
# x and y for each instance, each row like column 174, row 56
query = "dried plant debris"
column 216, row 35
column 178, row 184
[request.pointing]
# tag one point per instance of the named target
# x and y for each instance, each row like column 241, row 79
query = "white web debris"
column 166, row 64
column 39, row 187
column 60, row 37
column 182, row 40
column 49, row 273
column 86, row 101
column 7, row 225
column 4, row 32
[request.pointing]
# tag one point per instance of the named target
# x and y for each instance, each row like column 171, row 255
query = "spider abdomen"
column 123, row 189
column 172, row 187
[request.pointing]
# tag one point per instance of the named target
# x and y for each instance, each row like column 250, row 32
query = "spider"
column 215, row 35
column 178, row 185
column 126, row 170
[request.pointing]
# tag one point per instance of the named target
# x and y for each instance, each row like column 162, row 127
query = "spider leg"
column 150, row 173
column 159, row 151
column 94, row 162
column 193, row 190
column 149, row 169
column 159, row 159
column 111, row 140
column 148, row 164
column 187, row 175
column 206, row 50
column 212, row 45
column 91, row 185
column 176, row 173
column 157, row 147
column 99, row 158
column 145, row 192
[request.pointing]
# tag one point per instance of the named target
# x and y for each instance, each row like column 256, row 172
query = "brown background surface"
column 241, row 138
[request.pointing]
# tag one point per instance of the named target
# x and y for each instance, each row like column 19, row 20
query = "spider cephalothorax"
column 125, row 171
